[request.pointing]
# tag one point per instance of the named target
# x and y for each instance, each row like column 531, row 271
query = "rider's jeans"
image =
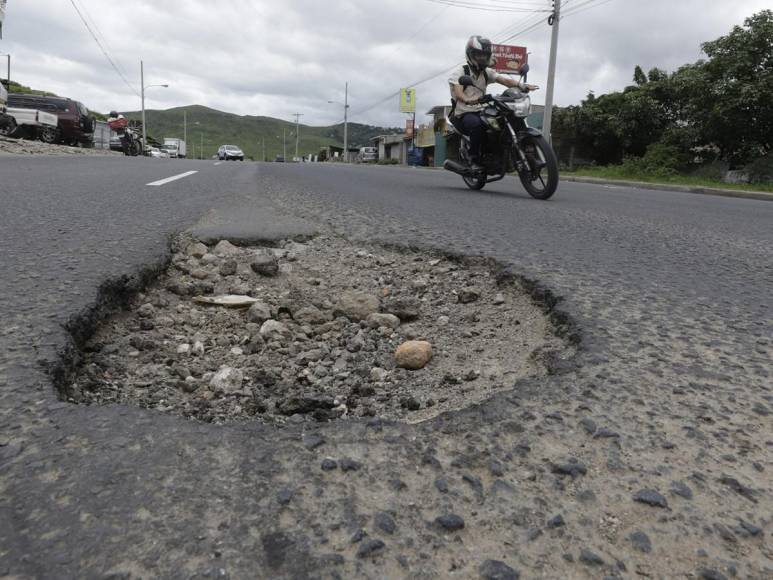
column 472, row 126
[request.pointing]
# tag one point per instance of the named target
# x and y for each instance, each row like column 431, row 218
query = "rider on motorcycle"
column 466, row 100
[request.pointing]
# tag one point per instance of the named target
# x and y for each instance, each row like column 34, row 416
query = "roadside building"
column 392, row 147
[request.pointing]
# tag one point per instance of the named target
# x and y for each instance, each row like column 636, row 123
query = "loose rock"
column 227, row 379
column 450, row 522
column 356, row 306
column 225, row 248
column 413, row 355
column 497, row 570
column 651, row 497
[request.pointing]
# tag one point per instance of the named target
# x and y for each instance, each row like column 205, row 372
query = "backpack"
column 466, row 72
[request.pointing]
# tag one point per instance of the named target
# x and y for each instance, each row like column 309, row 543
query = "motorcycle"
column 509, row 145
column 131, row 142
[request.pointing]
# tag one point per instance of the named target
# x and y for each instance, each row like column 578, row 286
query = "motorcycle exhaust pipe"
column 456, row 167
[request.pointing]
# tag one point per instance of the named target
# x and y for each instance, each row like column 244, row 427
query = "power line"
column 102, row 48
column 527, row 28
column 101, row 36
column 488, row 7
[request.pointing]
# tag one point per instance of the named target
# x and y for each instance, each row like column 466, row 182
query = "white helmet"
column 479, row 52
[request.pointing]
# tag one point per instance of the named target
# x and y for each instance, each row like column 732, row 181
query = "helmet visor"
column 481, row 58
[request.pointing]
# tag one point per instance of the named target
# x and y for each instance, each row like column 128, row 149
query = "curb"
column 759, row 195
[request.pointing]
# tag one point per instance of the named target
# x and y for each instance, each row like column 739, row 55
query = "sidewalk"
column 672, row 187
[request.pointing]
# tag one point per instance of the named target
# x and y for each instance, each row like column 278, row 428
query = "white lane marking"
column 173, row 178
column 218, row 163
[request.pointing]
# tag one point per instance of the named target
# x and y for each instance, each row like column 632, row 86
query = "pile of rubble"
column 24, row 147
column 315, row 331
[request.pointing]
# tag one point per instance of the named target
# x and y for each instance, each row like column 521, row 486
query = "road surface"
column 669, row 402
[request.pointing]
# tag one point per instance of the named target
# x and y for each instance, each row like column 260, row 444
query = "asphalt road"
column 672, row 296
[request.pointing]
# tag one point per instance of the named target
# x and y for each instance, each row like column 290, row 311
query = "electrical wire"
column 102, row 37
column 487, row 7
column 532, row 24
column 102, row 48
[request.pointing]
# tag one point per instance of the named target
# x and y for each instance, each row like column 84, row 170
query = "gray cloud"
column 274, row 58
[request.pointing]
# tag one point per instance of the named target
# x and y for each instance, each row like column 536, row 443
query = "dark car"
column 76, row 124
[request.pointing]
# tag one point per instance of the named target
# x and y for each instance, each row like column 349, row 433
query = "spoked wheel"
column 475, row 182
column 541, row 179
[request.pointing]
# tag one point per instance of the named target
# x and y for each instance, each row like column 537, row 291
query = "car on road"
column 157, row 153
column 76, row 123
column 228, row 152
column 279, row 159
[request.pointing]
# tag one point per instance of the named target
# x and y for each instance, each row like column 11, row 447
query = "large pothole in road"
column 310, row 332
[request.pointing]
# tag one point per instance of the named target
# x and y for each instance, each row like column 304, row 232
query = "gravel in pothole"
column 315, row 335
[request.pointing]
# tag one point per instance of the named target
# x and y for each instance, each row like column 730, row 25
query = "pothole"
column 311, row 333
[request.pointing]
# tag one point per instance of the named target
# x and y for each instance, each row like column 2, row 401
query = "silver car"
column 227, row 152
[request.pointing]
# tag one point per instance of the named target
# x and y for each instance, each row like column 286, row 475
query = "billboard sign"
column 407, row 100
column 509, row 58
column 409, row 129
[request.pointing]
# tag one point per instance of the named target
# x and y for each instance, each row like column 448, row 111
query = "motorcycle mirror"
column 466, row 81
column 524, row 69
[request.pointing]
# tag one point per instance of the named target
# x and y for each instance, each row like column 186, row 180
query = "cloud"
column 273, row 58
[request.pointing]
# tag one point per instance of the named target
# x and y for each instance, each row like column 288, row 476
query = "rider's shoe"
column 476, row 167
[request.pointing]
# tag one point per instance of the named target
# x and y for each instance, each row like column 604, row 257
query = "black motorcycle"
column 509, row 145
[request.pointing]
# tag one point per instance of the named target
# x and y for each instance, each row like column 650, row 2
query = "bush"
column 388, row 162
column 660, row 160
column 760, row 170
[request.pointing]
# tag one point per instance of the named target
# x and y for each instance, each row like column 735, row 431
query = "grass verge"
column 619, row 173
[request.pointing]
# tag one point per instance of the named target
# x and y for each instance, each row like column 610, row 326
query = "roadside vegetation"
column 691, row 126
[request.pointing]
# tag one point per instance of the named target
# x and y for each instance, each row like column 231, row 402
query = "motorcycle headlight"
column 521, row 107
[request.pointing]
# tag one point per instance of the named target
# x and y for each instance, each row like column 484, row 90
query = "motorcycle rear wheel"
column 541, row 179
column 475, row 182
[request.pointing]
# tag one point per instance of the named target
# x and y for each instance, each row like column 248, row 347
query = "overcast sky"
column 278, row 57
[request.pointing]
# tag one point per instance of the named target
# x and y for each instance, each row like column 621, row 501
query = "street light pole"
column 142, row 96
column 142, row 84
column 554, row 21
column 297, row 131
column 346, row 123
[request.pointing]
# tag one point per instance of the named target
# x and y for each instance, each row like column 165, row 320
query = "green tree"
column 638, row 76
column 733, row 108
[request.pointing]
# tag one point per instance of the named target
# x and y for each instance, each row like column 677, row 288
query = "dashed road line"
column 173, row 178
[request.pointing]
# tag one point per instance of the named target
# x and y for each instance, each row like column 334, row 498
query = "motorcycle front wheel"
column 540, row 179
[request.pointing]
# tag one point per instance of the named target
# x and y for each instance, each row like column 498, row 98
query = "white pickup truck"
column 31, row 124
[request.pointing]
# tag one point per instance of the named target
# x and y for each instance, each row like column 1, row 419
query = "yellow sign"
column 407, row 100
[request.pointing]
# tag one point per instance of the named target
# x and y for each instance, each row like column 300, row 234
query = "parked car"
column 157, row 153
column 76, row 124
column 226, row 152
column 279, row 159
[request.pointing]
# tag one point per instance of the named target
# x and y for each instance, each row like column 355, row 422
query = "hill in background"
column 213, row 128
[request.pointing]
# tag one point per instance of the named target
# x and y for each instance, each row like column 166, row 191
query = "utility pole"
column 346, row 123
column 185, row 127
column 297, row 131
column 142, row 86
column 284, row 143
column 201, row 146
column 264, row 148
column 554, row 20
